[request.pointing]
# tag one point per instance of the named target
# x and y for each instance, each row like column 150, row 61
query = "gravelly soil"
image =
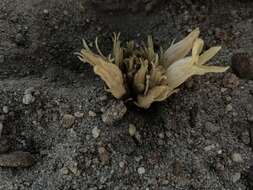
column 198, row 139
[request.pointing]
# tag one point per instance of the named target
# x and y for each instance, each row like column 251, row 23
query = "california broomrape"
column 144, row 76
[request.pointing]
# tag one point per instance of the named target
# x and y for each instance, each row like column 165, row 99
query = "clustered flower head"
column 140, row 74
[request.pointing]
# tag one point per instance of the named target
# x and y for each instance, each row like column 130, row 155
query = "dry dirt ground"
column 200, row 139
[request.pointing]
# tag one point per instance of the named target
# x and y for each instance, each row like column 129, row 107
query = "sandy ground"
column 51, row 104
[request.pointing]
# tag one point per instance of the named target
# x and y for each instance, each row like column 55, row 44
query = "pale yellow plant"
column 144, row 76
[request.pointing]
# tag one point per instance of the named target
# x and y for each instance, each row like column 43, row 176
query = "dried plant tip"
column 184, row 68
column 180, row 49
column 140, row 77
column 108, row 72
column 156, row 94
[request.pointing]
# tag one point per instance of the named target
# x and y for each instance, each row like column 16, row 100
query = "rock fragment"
column 28, row 99
column 236, row 157
column 103, row 155
column 95, row 132
column 114, row 112
column 16, row 159
column 230, row 80
column 68, row 121
column 141, row 170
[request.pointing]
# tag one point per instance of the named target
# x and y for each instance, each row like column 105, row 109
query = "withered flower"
column 145, row 76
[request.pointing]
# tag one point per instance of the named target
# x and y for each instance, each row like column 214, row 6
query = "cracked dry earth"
column 52, row 135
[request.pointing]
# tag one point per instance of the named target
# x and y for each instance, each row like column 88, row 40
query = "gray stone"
column 68, row 121
column 141, row 170
column 95, row 132
column 5, row 109
column 236, row 177
column 28, row 99
column 103, row 155
column 230, row 80
column 16, row 159
column 92, row 114
column 114, row 112
column 236, row 157
column 210, row 127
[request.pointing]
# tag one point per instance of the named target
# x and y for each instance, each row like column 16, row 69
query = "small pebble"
column 122, row 164
column 65, row 170
column 114, row 112
column 95, row 132
column 236, row 177
column 103, row 98
column 161, row 135
column 92, row 114
column 141, row 170
column 68, row 121
column 230, row 80
column 209, row 147
column 28, row 99
column 245, row 137
column 45, row 11
column 132, row 130
column 16, row 159
column 103, row 155
column 78, row 114
column 229, row 108
column 236, row 157
column 5, row 109
column 210, row 127
column 73, row 167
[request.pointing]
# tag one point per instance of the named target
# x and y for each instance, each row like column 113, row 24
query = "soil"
column 199, row 139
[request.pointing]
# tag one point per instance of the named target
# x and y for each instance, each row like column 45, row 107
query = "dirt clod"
column 242, row 64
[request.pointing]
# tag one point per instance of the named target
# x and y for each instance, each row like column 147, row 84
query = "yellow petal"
column 140, row 77
column 183, row 69
column 207, row 55
column 108, row 72
column 157, row 93
column 180, row 49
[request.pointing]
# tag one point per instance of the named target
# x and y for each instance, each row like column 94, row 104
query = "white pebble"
column 5, row 109
column 236, row 157
column 95, row 132
column 92, row 114
column 141, row 170
column 28, row 99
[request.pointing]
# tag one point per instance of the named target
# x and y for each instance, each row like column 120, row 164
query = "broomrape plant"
column 145, row 76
